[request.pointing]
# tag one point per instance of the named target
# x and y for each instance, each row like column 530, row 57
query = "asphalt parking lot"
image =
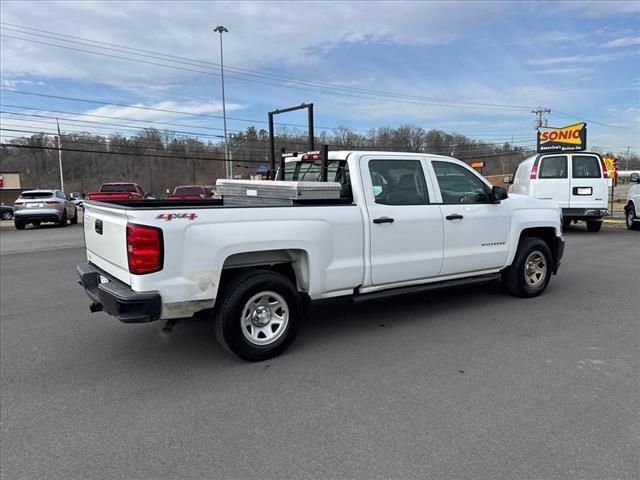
column 466, row 383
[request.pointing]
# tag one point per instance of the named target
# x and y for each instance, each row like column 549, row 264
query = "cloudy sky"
column 471, row 67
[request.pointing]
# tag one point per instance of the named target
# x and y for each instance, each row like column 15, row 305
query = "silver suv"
column 37, row 206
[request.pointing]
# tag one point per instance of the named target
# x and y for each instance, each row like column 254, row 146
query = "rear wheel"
column 19, row 224
column 594, row 225
column 629, row 219
column 530, row 272
column 74, row 219
column 6, row 215
column 63, row 221
column 258, row 315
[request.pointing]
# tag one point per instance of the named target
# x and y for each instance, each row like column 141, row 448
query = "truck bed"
column 207, row 203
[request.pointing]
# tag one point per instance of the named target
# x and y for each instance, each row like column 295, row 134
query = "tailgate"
column 105, row 236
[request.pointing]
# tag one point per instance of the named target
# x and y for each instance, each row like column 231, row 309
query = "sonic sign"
column 565, row 139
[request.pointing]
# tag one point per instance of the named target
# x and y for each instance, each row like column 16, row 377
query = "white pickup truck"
column 405, row 222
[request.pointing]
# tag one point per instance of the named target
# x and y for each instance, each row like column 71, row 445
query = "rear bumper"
column 584, row 213
column 116, row 298
column 41, row 215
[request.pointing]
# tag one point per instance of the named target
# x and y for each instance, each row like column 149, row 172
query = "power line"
column 98, row 102
column 128, row 127
column 66, row 112
column 240, row 73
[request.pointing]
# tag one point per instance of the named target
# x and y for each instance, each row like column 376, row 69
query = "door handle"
column 383, row 220
column 455, row 216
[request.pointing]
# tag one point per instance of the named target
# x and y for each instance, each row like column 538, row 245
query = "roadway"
column 466, row 383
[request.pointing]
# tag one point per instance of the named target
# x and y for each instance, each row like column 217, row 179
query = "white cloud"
column 578, row 59
column 623, row 42
column 599, row 8
column 572, row 71
column 261, row 34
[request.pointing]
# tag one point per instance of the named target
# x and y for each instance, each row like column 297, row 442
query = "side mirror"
column 635, row 178
column 498, row 194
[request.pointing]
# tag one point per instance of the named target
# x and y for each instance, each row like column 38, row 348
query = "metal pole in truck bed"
column 325, row 163
column 272, row 141
column 272, row 148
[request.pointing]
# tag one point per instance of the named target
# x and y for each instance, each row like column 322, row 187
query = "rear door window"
column 398, row 182
column 585, row 166
column 553, row 167
column 28, row 195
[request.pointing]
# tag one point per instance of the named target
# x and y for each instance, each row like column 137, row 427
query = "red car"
column 190, row 192
column 117, row 191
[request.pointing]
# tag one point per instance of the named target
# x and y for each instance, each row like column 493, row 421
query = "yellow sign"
column 610, row 163
column 572, row 137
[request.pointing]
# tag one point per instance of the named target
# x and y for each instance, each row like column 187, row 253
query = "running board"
column 425, row 287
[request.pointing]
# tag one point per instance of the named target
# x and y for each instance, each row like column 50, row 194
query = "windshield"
column 187, row 191
column 117, row 188
column 28, row 195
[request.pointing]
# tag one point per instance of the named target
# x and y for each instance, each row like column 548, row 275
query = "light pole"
column 229, row 167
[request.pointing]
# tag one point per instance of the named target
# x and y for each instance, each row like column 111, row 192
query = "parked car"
column 6, row 212
column 576, row 181
column 632, row 208
column 38, row 206
column 189, row 192
column 117, row 191
column 406, row 222
column 77, row 198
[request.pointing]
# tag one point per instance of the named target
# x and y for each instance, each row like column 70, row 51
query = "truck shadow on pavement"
column 329, row 322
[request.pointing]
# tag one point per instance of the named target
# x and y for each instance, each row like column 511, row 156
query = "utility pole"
column 228, row 165
column 60, row 156
column 627, row 159
column 540, row 120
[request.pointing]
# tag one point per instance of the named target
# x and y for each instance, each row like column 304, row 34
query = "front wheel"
column 258, row 315
column 629, row 219
column 74, row 219
column 594, row 225
column 530, row 272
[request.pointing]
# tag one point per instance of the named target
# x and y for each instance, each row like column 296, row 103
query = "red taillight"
column 144, row 249
column 605, row 173
column 17, row 203
column 534, row 172
column 51, row 202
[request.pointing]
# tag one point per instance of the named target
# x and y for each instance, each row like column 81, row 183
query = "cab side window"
column 553, row 167
column 585, row 166
column 459, row 185
column 398, row 182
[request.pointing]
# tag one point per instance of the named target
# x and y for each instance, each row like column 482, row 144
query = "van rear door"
column 552, row 182
column 588, row 185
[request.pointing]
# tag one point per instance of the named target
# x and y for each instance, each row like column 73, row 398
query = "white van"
column 575, row 181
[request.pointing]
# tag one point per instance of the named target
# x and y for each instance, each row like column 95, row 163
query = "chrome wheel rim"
column 535, row 269
column 265, row 317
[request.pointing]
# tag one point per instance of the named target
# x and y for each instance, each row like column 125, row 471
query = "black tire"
column 233, row 300
column 594, row 225
column 74, row 219
column 514, row 278
column 629, row 219
column 19, row 224
column 63, row 221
